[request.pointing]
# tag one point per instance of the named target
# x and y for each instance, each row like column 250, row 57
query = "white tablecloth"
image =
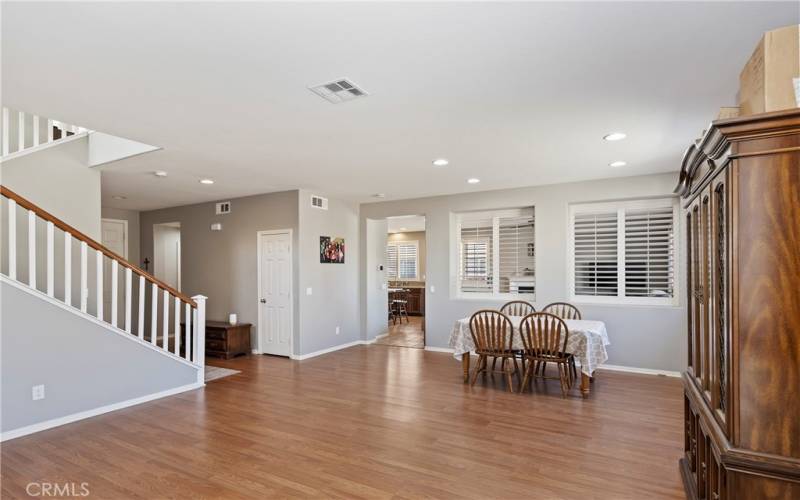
column 587, row 341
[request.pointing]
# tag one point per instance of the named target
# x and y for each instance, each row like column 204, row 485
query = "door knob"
column 263, row 301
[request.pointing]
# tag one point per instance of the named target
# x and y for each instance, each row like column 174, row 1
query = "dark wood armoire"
column 740, row 186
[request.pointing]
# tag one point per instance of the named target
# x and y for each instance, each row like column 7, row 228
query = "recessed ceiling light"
column 404, row 229
column 118, row 197
column 206, row 181
column 441, row 162
column 615, row 136
column 160, row 173
column 379, row 195
column 617, row 164
column 473, row 180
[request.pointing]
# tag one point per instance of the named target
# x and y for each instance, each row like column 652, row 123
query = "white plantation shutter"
column 624, row 251
column 407, row 261
column 649, row 253
column 516, row 253
column 595, row 254
column 475, row 255
column 391, row 262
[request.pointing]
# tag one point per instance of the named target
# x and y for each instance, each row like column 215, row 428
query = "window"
column 623, row 252
column 496, row 254
column 402, row 260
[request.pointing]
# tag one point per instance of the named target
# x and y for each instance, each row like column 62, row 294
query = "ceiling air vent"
column 338, row 91
column 319, row 202
column 223, row 208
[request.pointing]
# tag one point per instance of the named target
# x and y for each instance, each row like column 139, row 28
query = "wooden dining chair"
column 493, row 335
column 544, row 340
column 563, row 310
column 400, row 305
column 517, row 308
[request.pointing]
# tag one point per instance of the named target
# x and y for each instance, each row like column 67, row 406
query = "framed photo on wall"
column 331, row 250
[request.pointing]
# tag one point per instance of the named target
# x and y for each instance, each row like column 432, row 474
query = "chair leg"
column 516, row 368
column 509, row 380
column 494, row 363
column 562, row 376
column 478, row 368
column 527, row 378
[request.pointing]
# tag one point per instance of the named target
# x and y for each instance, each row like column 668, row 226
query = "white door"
column 275, row 290
column 115, row 238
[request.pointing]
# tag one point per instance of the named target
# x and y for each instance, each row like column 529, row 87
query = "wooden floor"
column 405, row 333
column 369, row 422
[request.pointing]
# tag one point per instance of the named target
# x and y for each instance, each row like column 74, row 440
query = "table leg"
column 465, row 365
column 585, row 385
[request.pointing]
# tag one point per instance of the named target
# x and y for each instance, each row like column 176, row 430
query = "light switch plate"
column 309, row 291
column 37, row 392
column 433, row 289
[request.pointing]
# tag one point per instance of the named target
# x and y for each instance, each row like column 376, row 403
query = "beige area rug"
column 216, row 372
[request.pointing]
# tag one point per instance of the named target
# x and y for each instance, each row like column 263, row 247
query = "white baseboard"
column 380, row 336
column 645, row 371
column 439, row 349
column 49, row 424
column 300, row 357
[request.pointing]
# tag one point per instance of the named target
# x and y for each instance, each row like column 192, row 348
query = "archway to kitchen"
column 397, row 267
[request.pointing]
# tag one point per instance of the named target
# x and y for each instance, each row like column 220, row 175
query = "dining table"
column 587, row 341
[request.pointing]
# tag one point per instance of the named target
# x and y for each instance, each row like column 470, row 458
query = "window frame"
column 456, row 243
column 621, row 207
column 396, row 244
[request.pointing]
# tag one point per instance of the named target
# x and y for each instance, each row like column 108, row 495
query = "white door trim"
column 124, row 235
column 291, row 287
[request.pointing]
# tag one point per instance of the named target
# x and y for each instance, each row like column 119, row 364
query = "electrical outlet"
column 37, row 392
column 338, row 330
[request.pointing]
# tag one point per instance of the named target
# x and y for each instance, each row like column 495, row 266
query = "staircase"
column 47, row 258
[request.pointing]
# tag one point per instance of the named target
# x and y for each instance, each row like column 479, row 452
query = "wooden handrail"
column 91, row 242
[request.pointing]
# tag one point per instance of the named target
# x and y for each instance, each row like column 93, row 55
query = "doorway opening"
column 167, row 253
column 405, row 273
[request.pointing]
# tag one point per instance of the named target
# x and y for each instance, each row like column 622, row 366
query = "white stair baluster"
column 128, row 285
column 5, row 133
column 99, row 285
column 165, row 325
column 49, row 130
column 141, row 306
column 50, row 260
column 154, row 315
column 67, row 268
column 114, row 286
column 177, row 326
column 12, row 239
column 32, row 249
column 35, row 130
column 188, row 347
column 21, row 131
column 84, row 276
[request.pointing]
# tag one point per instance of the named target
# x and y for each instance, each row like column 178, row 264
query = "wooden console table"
column 224, row 340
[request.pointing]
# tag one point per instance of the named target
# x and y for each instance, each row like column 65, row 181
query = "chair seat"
column 560, row 357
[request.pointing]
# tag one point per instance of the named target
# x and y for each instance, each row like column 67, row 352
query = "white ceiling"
column 512, row 93
column 406, row 223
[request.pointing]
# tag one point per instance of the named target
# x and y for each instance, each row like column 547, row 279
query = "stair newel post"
column 200, row 336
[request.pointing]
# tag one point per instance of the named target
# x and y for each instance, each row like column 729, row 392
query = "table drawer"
column 216, row 333
column 216, row 345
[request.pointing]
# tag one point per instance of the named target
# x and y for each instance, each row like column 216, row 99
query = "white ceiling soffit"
column 406, row 223
column 511, row 93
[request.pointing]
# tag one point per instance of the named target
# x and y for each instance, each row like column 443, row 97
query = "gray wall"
column 645, row 337
column 59, row 180
column 222, row 265
column 78, row 361
column 418, row 236
column 132, row 216
column 377, row 305
column 334, row 301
